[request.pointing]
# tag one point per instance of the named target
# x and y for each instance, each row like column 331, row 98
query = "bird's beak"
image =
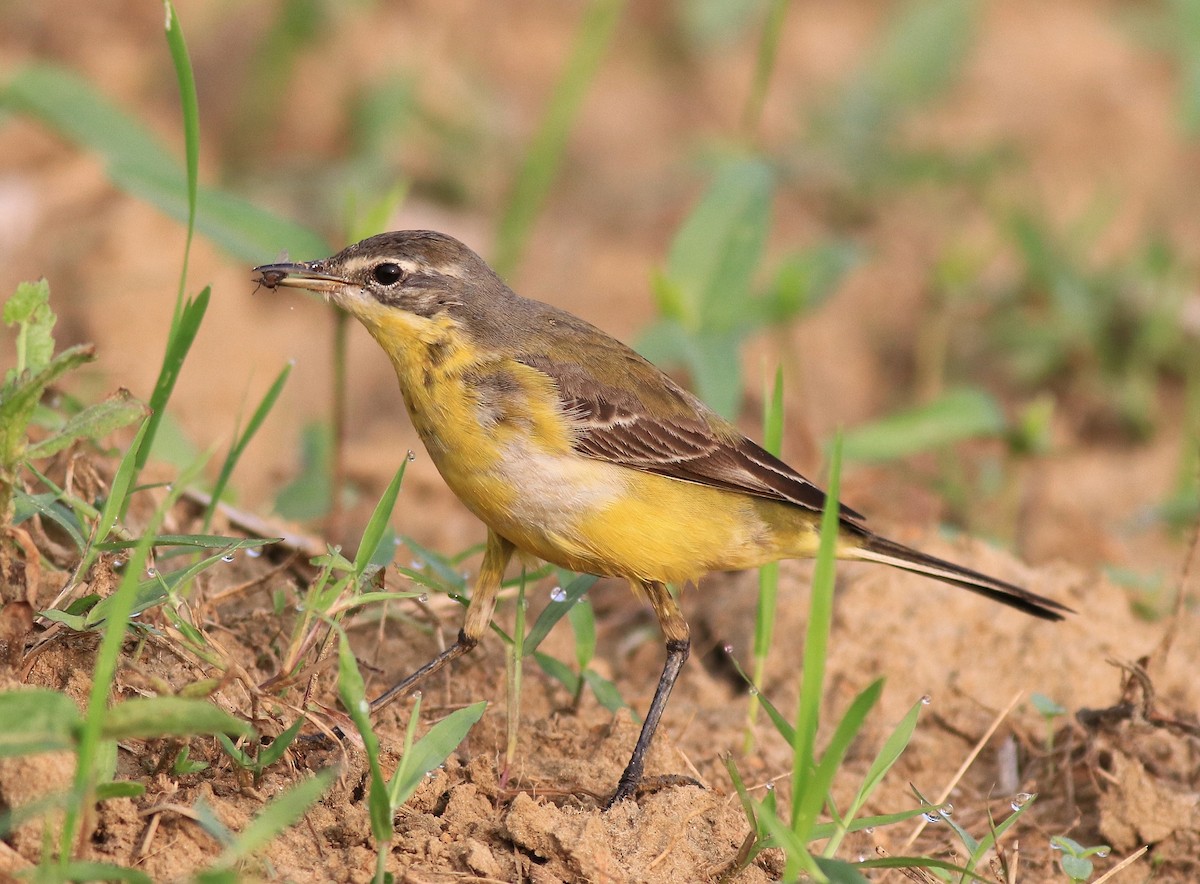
column 305, row 275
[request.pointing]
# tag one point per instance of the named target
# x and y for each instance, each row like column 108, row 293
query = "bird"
column 572, row 448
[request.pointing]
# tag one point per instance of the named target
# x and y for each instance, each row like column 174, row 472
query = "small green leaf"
column 120, row 789
column 433, row 749
column 29, row 307
column 1045, row 706
column 606, row 692
column 36, row 720
column 956, row 416
column 94, row 422
column 20, row 395
column 144, row 718
column 285, row 810
column 558, row 670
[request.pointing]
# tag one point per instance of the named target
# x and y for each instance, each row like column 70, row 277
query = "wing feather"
column 680, row 438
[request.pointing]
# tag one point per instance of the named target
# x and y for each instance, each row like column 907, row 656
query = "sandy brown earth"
column 1068, row 87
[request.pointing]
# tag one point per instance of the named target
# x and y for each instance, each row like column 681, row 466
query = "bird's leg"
column 479, row 615
column 679, row 642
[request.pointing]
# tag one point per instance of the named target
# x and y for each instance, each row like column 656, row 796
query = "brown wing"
column 684, row 439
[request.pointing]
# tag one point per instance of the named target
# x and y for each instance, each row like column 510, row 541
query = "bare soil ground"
column 1091, row 111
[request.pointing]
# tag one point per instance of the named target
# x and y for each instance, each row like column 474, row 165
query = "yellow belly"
column 497, row 435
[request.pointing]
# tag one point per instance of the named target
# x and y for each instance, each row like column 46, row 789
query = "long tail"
column 879, row 549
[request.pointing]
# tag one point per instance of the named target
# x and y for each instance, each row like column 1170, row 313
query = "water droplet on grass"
column 558, row 594
column 228, row 557
column 926, row 700
column 1020, row 800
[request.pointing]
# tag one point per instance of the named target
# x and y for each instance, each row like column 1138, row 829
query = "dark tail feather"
column 888, row 552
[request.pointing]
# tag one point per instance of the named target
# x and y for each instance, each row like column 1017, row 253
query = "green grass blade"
column 816, row 640
column 549, row 143
column 768, row 575
column 190, row 106
column 120, row 606
column 804, row 815
column 781, row 724
column 795, row 851
column 559, row 671
column 223, row 542
column 239, row 445
column 995, row 833
column 583, row 624
column 138, row 164
column 179, row 342
column 713, row 258
column 284, row 810
column 117, row 499
column 71, row 106
column 377, row 524
column 554, row 611
column 433, row 749
column 243, row 230
column 768, row 49
column 606, row 692
column 353, row 693
column 888, row 755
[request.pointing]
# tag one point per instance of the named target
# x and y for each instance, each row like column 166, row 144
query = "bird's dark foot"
column 648, row 786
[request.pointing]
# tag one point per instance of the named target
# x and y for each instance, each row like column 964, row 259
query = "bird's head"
column 410, row 277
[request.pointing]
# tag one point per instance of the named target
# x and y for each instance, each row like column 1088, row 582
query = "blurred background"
column 966, row 231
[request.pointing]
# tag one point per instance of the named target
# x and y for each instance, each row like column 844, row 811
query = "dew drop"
column 1020, row 800
column 1054, row 845
column 752, row 691
column 727, row 648
column 770, row 787
column 151, row 572
column 118, row 562
column 926, row 700
column 411, row 456
column 947, row 809
column 558, row 594
column 416, row 695
column 417, row 566
column 869, row 830
column 1102, row 853
column 228, row 557
column 253, row 552
column 423, row 598
column 932, row 816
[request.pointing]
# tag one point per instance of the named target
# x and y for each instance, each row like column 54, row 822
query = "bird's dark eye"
column 387, row 274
